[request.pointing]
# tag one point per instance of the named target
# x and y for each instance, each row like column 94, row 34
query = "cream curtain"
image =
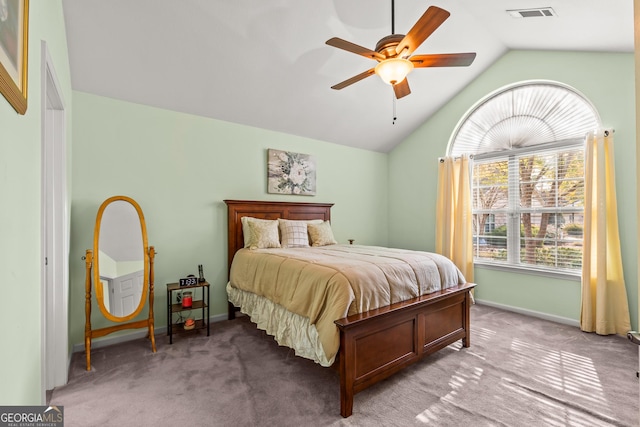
column 605, row 309
column 454, row 232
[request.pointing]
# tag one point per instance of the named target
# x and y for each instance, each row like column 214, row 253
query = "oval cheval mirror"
column 120, row 267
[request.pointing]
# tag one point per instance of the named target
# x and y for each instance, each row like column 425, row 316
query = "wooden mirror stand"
column 121, row 243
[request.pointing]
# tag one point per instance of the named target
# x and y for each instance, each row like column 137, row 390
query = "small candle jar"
column 187, row 299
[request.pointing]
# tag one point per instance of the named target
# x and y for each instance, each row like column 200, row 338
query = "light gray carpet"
column 519, row 371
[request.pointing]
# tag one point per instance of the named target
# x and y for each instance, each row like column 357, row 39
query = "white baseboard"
column 134, row 335
column 532, row 313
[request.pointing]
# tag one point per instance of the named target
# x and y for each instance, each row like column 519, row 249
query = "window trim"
column 548, row 146
column 513, row 268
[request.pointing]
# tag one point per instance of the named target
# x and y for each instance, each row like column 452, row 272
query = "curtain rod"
column 441, row 159
column 605, row 132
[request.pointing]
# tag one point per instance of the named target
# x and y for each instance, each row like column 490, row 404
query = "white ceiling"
column 265, row 63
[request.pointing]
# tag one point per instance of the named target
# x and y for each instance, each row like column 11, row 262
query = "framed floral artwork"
column 291, row 173
column 14, row 34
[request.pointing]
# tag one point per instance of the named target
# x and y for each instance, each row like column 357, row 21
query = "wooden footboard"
column 378, row 343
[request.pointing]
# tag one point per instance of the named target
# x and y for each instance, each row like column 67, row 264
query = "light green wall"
column 180, row 168
column 20, row 216
column 607, row 80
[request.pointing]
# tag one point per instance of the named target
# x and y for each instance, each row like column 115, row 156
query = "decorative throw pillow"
column 321, row 234
column 264, row 235
column 293, row 234
column 246, row 231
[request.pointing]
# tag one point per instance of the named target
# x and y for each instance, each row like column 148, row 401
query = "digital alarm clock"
column 189, row 281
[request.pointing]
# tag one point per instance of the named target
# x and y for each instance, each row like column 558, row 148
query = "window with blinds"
column 528, row 207
column 527, row 140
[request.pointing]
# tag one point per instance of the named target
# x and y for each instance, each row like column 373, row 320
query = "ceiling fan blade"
column 354, row 48
column 401, row 89
column 353, row 79
column 443, row 60
column 426, row 25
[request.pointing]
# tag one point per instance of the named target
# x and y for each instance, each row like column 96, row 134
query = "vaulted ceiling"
column 265, row 63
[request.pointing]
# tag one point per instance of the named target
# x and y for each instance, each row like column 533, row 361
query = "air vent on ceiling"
column 543, row 12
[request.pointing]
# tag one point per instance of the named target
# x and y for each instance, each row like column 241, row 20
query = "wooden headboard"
column 268, row 210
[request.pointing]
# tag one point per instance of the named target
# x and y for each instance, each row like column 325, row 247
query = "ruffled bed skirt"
column 289, row 329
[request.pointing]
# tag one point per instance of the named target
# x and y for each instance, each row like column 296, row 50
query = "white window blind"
column 528, row 208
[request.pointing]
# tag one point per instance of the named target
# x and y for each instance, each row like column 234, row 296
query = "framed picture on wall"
column 291, row 173
column 14, row 44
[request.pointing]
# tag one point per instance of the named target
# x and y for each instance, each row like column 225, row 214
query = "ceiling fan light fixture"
column 394, row 53
column 394, row 70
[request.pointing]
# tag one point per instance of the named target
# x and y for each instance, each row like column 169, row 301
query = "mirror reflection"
column 121, row 258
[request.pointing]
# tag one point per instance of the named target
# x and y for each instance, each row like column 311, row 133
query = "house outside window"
column 489, row 222
column 528, row 175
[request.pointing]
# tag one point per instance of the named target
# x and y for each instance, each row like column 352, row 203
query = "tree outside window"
column 535, row 205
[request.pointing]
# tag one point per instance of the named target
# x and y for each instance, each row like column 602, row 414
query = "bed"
column 372, row 344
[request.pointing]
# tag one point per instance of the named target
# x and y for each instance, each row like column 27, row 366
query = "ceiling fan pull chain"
column 395, row 117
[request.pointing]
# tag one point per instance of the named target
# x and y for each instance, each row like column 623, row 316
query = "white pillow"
column 246, row 231
column 264, row 234
column 293, row 234
column 321, row 234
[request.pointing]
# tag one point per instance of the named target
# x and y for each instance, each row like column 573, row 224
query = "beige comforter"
column 331, row 282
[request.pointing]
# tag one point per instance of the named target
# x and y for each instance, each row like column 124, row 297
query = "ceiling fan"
column 393, row 53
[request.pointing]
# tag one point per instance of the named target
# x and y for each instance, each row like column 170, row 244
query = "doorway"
column 54, row 233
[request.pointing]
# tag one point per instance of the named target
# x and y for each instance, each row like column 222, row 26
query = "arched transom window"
column 528, row 175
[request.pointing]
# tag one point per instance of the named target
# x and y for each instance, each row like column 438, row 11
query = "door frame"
column 636, row 37
column 54, row 230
